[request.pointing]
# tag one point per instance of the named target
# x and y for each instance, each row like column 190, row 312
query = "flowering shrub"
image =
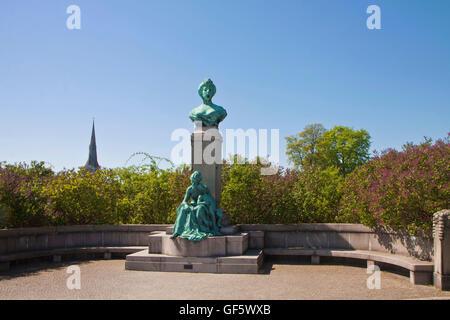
column 21, row 200
column 401, row 190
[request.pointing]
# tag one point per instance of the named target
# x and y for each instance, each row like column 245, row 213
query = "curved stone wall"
column 16, row 244
column 340, row 236
column 337, row 236
column 47, row 238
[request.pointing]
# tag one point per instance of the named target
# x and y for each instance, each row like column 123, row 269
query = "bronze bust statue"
column 208, row 113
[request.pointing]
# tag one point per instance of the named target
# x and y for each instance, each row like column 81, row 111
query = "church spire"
column 92, row 164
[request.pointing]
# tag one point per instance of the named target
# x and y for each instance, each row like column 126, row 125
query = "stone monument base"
column 221, row 254
column 249, row 263
column 233, row 245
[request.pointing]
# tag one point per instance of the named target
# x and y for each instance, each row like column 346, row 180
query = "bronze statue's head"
column 207, row 90
column 196, row 177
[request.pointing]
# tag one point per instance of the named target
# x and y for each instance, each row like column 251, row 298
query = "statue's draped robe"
column 199, row 219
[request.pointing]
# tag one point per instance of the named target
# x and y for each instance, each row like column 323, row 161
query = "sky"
column 136, row 66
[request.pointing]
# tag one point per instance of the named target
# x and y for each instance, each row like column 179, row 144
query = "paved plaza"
column 286, row 280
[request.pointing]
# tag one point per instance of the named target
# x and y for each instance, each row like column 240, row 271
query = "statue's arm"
column 194, row 116
column 187, row 195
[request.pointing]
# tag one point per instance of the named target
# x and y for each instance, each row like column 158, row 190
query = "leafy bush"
column 241, row 185
column 150, row 195
column 289, row 196
column 34, row 196
column 249, row 197
column 401, row 190
column 317, row 194
column 83, row 197
column 21, row 200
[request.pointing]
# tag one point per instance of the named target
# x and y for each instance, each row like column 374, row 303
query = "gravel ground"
column 108, row 279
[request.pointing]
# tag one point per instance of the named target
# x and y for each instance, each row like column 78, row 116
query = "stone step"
column 249, row 263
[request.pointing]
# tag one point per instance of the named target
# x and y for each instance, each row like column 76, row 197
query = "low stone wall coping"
column 322, row 227
column 87, row 228
column 331, row 227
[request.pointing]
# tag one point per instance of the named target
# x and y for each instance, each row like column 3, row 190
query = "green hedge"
column 397, row 189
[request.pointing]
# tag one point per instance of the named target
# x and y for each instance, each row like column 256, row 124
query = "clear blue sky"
column 135, row 66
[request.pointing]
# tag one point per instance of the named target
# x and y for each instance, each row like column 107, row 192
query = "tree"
column 302, row 147
column 341, row 147
column 344, row 148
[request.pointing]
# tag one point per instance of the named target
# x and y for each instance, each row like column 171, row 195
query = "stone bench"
column 6, row 259
column 421, row 272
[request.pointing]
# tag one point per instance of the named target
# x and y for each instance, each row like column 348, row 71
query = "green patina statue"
column 208, row 113
column 200, row 218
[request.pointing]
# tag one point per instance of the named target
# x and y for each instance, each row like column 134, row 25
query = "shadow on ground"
column 35, row 266
column 270, row 261
column 23, row 268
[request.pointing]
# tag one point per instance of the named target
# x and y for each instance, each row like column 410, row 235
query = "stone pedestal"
column 249, row 263
column 441, row 235
column 232, row 245
column 206, row 157
column 222, row 254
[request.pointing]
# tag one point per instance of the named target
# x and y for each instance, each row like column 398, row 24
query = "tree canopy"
column 302, row 147
column 341, row 147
